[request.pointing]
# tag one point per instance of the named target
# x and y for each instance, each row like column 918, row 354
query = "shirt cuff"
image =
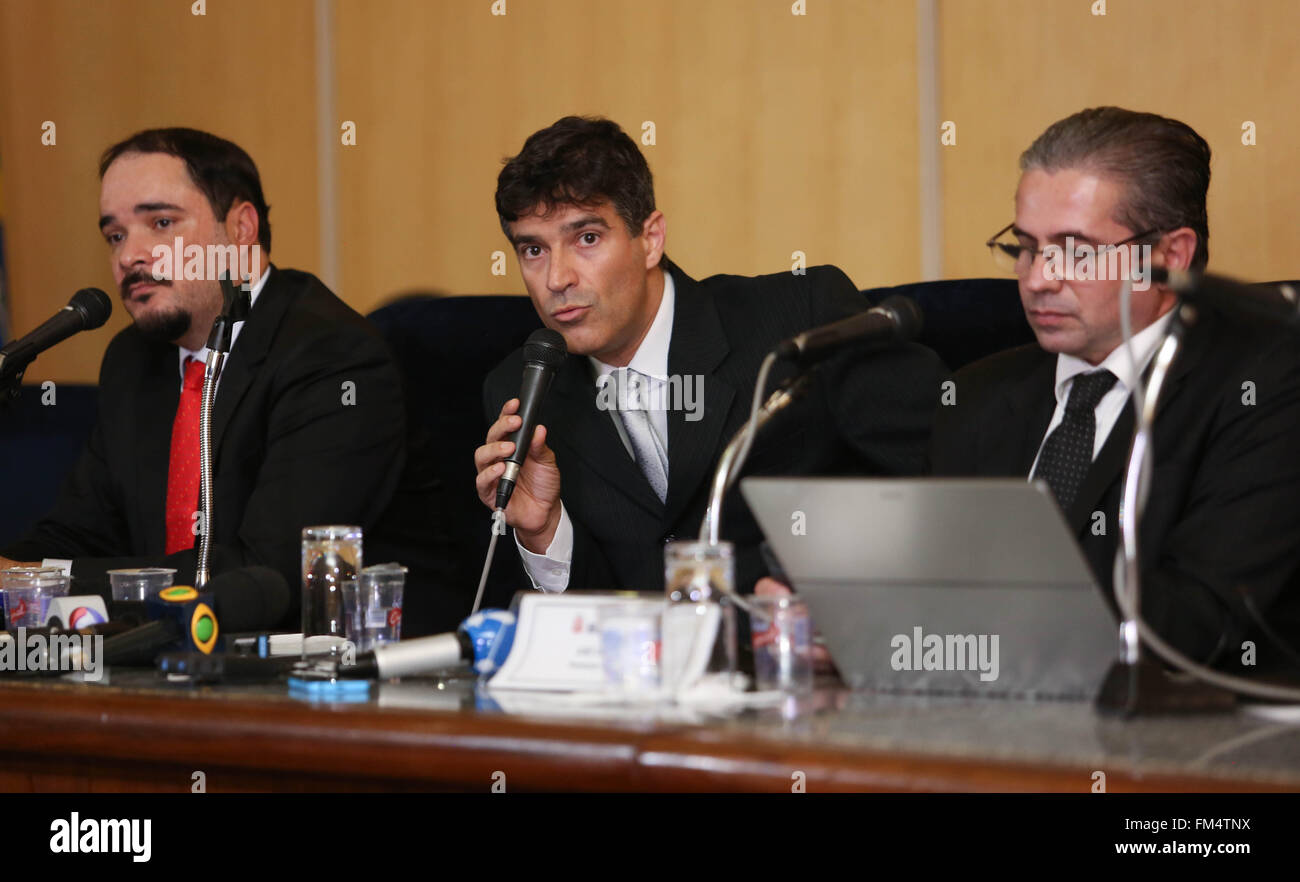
column 65, row 565
column 549, row 572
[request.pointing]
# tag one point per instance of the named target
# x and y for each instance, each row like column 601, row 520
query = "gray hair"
column 1163, row 167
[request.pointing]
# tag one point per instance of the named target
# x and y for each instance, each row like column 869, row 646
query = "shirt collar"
column 1145, row 343
column 202, row 354
column 651, row 358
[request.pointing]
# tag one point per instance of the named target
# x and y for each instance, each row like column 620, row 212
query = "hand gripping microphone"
column 89, row 308
column 896, row 318
column 544, row 352
column 483, row 640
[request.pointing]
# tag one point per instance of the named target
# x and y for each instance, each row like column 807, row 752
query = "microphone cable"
column 498, row 527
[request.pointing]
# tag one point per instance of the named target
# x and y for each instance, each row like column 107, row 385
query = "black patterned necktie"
column 1067, row 453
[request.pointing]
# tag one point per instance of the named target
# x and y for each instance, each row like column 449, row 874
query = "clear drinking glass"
column 331, row 555
column 699, row 621
column 782, row 634
column 140, row 584
column 27, row 592
column 378, row 611
column 630, row 644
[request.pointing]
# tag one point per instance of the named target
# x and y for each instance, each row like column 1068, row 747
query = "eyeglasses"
column 1016, row 258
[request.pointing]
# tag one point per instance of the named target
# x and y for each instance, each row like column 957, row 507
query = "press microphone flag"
column 89, row 308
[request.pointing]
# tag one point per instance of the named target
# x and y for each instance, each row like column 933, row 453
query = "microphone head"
column 249, row 598
column 546, row 348
column 906, row 315
column 491, row 632
column 93, row 305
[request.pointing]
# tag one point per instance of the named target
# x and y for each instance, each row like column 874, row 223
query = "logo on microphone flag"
column 84, row 617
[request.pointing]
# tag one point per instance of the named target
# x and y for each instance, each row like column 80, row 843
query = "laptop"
column 941, row 586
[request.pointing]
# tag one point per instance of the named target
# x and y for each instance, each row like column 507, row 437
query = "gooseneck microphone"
column 1242, row 300
column 89, row 308
column 896, row 318
column 544, row 352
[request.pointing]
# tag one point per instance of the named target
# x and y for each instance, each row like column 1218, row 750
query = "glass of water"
column 630, row 644
column 331, row 555
column 782, row 635
column 699, row 619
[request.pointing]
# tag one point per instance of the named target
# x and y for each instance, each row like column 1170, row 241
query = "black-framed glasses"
column 1016, row 258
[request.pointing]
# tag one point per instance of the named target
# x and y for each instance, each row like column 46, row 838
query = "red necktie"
column 183, row 466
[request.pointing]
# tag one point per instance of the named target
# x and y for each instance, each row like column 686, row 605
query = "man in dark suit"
column 308, row 426
column 1220, row 539
column 578, row 206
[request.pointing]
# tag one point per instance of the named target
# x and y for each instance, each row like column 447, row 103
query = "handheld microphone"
column 897, row 318
column 89, row 308
column 484, row 640
column 544, row 352
column 1269, row 303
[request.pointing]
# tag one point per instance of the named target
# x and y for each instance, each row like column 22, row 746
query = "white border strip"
column 930, row 190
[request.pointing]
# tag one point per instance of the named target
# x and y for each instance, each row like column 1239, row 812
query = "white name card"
column 557, row 644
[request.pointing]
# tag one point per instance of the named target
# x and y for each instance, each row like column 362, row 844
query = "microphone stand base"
column 1147, row 689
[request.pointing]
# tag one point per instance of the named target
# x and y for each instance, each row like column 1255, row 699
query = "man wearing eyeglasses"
column 1220, row 538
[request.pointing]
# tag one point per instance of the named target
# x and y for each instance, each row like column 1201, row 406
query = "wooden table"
column 139, row 735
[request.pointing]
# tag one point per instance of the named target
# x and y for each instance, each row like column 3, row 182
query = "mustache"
column 137, row 276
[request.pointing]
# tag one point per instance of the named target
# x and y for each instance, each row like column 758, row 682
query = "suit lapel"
column 1028, row 405
column 591, row 435
column 1111, row 461
column 698, row 346
column 1106, row 469
column 154, row 416
column 248, row 353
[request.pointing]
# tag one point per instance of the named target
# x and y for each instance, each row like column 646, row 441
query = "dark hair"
column 219, row 168
column 1162, row 164
column 577, row 161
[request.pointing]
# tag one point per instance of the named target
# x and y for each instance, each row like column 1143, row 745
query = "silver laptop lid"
column 899, row 573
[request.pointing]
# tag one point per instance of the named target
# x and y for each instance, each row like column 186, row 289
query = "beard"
column 165, row 326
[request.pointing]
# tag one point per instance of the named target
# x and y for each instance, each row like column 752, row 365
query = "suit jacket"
column 294, row 445
column 1222, row 525
column 866, row 413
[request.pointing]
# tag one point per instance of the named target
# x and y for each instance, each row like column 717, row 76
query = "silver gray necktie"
column 632, row 399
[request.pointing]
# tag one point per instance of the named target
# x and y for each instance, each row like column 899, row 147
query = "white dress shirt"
column 1112, row 404
column 550, row 571
column 183, row 354
column 202, row 354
